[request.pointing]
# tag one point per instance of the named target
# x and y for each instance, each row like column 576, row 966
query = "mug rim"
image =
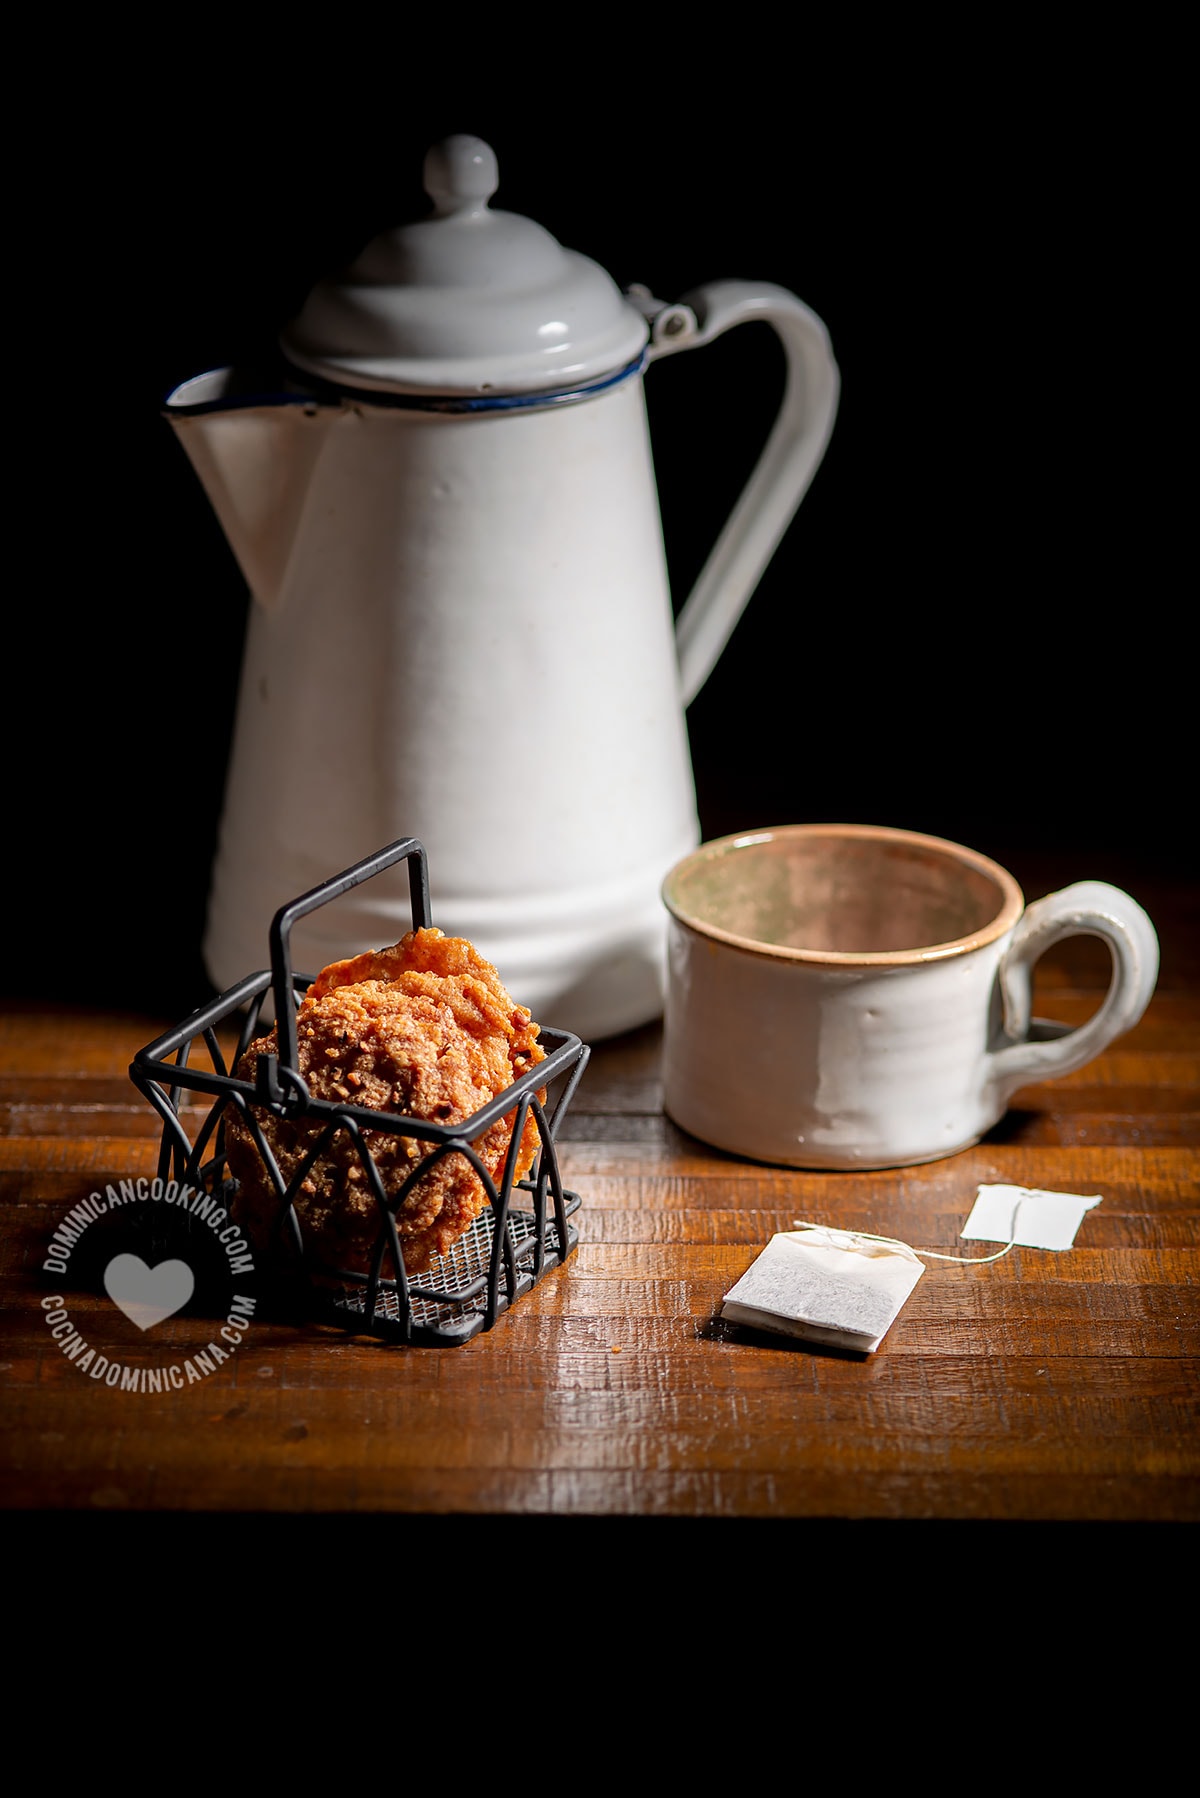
column 1011, row 907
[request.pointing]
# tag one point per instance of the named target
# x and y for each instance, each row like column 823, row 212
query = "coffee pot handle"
column 1038, row 1050
column 787, row 464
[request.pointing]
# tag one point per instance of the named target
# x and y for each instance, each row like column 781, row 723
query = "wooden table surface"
column 1041, row 1388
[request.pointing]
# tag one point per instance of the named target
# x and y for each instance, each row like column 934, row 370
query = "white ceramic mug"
column 848, row 995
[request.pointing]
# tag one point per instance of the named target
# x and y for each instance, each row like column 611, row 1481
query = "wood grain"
column 1042, row 1389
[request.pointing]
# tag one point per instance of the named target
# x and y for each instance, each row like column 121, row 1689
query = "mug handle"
column 789, row 459
column 1042, row 1051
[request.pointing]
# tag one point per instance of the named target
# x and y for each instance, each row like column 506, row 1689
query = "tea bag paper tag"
column 826, row 1285
column 1027, row 1216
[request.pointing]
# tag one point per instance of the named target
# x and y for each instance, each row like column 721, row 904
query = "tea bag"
column 846, row 1287
column 826, row 1285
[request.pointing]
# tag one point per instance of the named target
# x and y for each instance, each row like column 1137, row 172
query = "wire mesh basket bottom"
column 450, row 1301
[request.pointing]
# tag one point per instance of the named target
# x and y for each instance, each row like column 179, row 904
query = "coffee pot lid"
column 466, row 301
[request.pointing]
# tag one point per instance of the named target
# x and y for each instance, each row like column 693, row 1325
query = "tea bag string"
column 893, row 1242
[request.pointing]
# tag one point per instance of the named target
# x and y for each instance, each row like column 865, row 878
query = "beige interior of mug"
column 844, row 891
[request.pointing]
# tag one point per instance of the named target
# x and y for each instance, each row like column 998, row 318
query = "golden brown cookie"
column 425, row 1030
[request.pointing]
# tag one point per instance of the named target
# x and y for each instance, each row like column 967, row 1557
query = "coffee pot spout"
column 254, row 451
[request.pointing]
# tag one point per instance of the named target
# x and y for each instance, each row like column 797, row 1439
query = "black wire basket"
column 524, row 1229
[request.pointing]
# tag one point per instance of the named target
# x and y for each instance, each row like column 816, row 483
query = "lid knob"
column 460, row 175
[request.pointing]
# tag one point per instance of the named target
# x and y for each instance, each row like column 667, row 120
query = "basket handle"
column 406, row 848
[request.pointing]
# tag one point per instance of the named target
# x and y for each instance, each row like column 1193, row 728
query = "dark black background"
column 977, row 624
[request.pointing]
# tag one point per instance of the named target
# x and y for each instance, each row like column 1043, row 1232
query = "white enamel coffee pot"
column 447, row 515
